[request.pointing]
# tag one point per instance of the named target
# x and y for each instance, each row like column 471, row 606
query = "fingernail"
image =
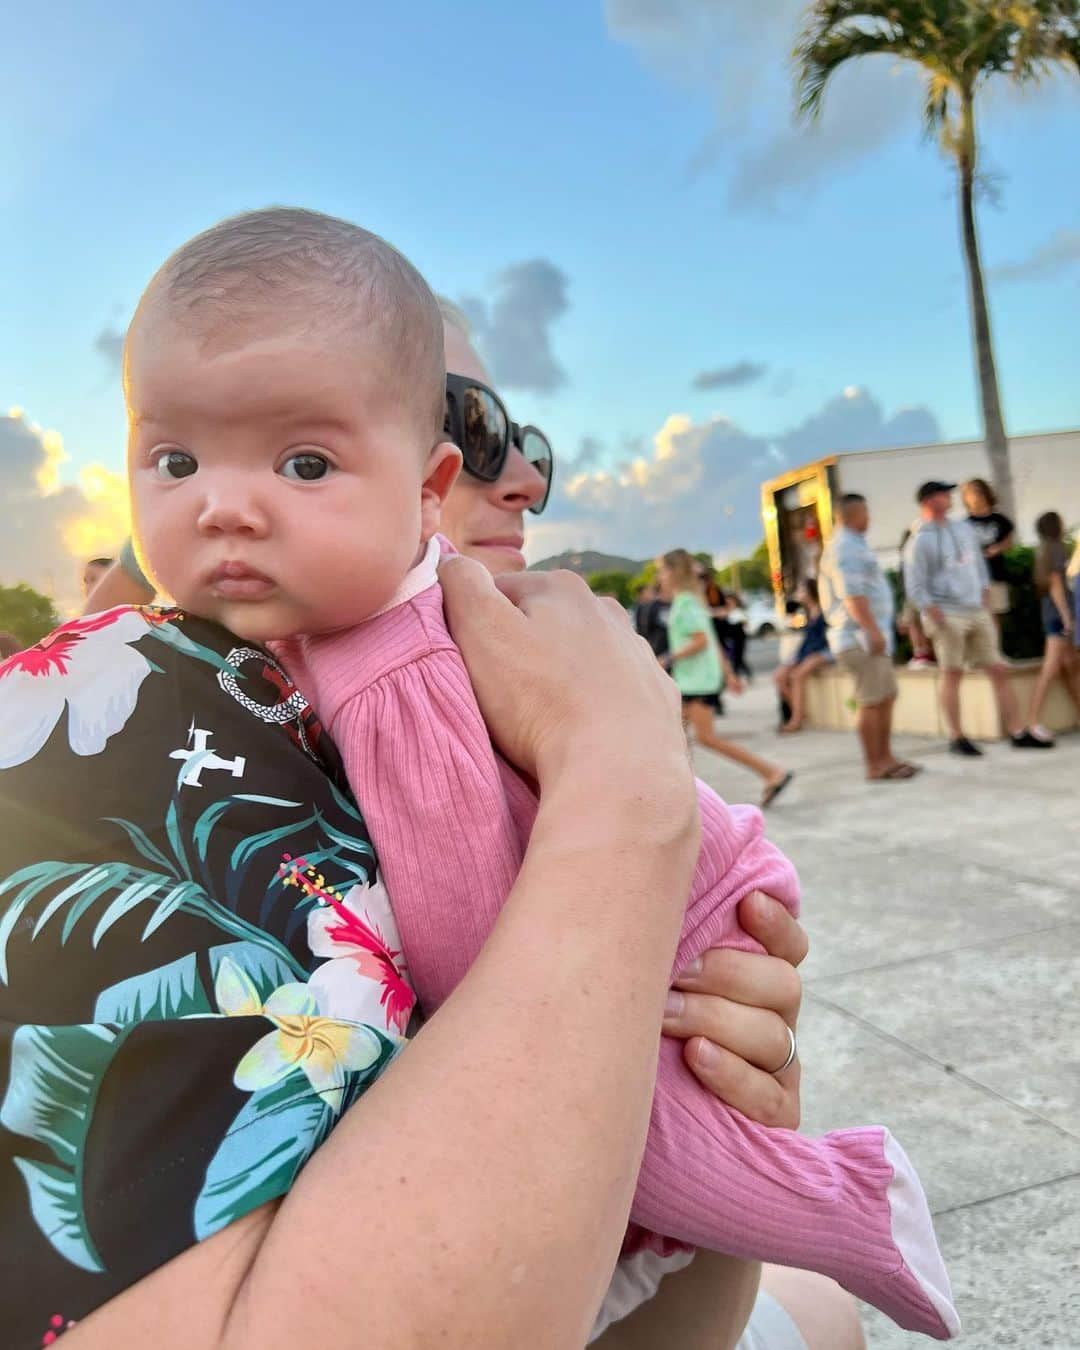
column 706, row 1054
column 674, row 1005
column 694, row 968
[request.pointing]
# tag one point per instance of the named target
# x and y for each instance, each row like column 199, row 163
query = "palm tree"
column 959, row 44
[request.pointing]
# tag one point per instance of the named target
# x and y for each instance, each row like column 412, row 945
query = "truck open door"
column 797, row 513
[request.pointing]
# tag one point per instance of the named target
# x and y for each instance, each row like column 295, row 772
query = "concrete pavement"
column 942, row 996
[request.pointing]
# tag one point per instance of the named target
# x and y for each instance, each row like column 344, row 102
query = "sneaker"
column 1027, row 740
column 962, row 746
column 920, row 663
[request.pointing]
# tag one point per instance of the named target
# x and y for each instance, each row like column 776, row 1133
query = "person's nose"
column 232, row 506
column 520, row 485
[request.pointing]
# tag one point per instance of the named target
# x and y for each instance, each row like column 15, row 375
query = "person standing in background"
column 94, row 570
column 651, row 620
column 1072, row 579
column 1051, row 567
column 995, row 533
column 122, row 582
column 857, row 602
column 910, row 620
column 948, row 580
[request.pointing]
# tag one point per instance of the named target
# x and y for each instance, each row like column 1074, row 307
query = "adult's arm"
column 697, row 642
column 480, row 1189
column 917, row 576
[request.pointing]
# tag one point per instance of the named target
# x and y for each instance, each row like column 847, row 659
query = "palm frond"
column 819, row 57
column 172, row 831
column 31, row 881
column 143, row 844
column 87, row 884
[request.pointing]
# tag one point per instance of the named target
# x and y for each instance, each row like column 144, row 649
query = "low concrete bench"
column 830, row 705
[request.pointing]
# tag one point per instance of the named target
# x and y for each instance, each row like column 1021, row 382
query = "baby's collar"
column 419, row 578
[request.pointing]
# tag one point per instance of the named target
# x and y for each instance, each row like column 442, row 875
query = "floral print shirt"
column 199, row 970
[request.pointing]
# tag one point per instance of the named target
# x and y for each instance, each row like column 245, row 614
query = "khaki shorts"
column 1000, row 599
column 969, row 639
column 875, row 681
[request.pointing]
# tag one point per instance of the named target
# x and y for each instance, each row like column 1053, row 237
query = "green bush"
column 1021, row 629
column 617, row 584
column 26, row 613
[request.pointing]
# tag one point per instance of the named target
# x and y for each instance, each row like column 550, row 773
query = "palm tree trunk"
column 997, row 445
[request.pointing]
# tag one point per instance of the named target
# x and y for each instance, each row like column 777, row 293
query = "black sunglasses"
column 479, row 425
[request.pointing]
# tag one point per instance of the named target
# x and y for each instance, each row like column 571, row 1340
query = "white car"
column 759, row 614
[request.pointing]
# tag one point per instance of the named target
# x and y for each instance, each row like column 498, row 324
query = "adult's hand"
column 936, row 615
column 876, row 639
column 559, row 673
column 733, row 1014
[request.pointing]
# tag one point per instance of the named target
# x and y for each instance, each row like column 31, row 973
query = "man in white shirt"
column 857, row 602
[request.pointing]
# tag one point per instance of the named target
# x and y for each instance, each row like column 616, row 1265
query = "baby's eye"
column 305, row 468
column 176, row 464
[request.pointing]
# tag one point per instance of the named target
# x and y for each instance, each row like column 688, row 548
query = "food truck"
column 797, row 508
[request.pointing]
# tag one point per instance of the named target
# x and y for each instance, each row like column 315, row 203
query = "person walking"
column 949, row 582
column 1051, row 567
column 699, row 666
column 858, row 605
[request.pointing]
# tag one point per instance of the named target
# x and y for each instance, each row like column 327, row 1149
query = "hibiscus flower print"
column 364, row 977
column 86, row 666
column 325, row 1048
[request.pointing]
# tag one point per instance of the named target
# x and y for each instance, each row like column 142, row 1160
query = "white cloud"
column 676, row 492
column 739, row 54
column 51, row 527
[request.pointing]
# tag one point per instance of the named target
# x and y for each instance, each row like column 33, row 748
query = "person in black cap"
column 947, row 579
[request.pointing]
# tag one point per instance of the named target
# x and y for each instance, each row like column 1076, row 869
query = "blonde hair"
column 313, row 269
column 682, row 566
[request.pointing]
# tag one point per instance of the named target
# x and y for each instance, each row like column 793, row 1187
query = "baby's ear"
column 440, row 474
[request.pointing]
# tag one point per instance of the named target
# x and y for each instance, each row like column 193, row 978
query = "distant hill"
column 587, row 562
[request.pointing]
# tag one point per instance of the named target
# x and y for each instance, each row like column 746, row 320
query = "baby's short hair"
column 315, row 269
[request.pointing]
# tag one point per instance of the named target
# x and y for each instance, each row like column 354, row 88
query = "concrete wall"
column 829, row 704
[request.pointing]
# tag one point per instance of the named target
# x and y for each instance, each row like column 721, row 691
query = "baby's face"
column 276, row 488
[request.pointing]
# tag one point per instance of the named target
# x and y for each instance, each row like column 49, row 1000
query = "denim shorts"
column 1051, row 619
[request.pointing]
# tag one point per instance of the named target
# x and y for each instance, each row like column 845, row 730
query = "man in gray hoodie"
column 946, row 579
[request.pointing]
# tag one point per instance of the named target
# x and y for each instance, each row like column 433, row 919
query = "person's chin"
column 499, row 557
column 260, row 623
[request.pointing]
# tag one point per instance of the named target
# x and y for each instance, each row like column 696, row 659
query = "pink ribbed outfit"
column 451, row 820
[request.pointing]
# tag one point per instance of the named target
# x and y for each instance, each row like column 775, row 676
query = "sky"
column 687, row 290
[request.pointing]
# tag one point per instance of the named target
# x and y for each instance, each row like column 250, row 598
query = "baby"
column 286, row 387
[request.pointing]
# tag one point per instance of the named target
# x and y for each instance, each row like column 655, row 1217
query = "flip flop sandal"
column 774, row 790
column 898, row 773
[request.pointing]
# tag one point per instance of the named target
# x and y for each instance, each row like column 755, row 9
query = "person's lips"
column 239, row 581
column 508, row 548
column 511, row 541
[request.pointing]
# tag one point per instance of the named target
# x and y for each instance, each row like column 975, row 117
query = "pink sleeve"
column 735, row 859
column 431, row 789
